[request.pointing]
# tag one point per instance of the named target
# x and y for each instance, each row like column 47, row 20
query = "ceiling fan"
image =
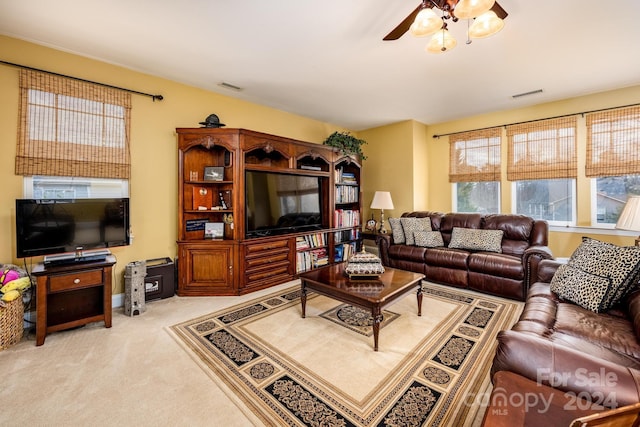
column 451, row 9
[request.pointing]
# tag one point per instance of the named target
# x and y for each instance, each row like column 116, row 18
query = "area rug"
column 281, row 369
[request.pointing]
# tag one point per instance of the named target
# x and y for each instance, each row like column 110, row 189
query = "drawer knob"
column 76, row 281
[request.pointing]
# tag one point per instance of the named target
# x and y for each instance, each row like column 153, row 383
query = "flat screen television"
column 59, row 226
column 279, row 203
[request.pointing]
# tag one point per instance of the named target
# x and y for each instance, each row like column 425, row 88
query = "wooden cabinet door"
column 206, row 269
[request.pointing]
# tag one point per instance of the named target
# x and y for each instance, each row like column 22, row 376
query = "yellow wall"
column 153, row 184
column 402, row 151
column 389, row 167
column 403, row 157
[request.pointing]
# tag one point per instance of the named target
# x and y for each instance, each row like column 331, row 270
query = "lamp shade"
column 468, row 9
column 426, row 23
column 382, row 200
column 630, row 217
column 485, row 25
column 441, row 42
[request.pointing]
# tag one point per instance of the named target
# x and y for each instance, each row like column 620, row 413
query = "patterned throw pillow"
column 618, row 265
column 585, row 289
column 411, row 224
column 428, row 239
column 396, row 230
column 476, row 240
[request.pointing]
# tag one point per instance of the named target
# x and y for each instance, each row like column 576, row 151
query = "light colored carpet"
column 281, row 369
column 131, row 374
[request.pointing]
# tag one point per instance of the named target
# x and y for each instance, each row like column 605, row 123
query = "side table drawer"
column 78, row 280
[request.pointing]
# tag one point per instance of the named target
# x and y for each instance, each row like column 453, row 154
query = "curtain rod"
column 153, row 97
column 582, row 113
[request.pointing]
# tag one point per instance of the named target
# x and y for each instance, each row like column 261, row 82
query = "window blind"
column 72, row 128
column 543, row 149
column 475, row 156
column 613, row 142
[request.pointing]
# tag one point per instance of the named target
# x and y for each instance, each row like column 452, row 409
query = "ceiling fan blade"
column 499, row 11
column 404, row 26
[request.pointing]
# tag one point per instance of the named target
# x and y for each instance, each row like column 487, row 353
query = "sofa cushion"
column 497, row 265
column 429, row 239
column 410, row 225
column 598, row 274
column 396, row 230
column 476, row 240
column 449, row 258
column 407, row 253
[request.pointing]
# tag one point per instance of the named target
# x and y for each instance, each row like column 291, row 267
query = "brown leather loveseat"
column 591, row 355
column 504, row 271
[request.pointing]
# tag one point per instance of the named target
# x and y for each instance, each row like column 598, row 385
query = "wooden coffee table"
column 372, row 294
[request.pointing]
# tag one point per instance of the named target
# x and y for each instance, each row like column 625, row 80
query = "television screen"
column 278, row 203
column 64, row 225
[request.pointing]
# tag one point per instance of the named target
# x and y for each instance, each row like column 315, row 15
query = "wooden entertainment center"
column 232, row 260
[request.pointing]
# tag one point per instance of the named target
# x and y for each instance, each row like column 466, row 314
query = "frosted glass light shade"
column 630, row 217
column 468, row 9
column 426, row 23
column 441, row 42
column 485, row 25
column 382, row 200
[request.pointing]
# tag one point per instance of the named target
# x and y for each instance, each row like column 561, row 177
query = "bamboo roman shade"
column 543, row 149
column 613, row 142
column 72, row 128
column 475, row 156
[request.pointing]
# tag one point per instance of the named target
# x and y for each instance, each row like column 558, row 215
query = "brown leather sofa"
column 595, row 356
column 506, row 274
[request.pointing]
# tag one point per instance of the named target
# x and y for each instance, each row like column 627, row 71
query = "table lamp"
column 630, row 217
column 382, row 200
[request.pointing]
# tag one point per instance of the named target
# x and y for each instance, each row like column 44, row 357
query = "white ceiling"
column 326, row 59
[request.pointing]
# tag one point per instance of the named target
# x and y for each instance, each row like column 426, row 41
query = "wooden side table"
column 72, row 295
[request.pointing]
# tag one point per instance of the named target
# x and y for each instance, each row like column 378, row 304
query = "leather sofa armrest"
column 566, row 369
column 384, row 241
column 531, row 259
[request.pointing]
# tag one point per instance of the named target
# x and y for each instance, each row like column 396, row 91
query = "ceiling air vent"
column 520, row 95
column 229, row 86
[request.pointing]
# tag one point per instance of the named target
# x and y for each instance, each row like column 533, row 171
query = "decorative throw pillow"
column 396, row 230
column 575, row 285
column 476, row 240
column 619, row 265
column 428, row 239
column 411, row 224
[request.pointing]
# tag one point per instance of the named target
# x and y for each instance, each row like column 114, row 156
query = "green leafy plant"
column 347, row 143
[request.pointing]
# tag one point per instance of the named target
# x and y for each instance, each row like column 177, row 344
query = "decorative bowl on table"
column 364, row 265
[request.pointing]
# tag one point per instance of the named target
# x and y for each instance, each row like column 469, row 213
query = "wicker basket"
column 11, row 323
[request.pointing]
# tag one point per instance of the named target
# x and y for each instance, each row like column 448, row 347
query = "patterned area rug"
column 282, row 369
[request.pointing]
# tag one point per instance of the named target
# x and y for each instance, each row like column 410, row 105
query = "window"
column 613, row 160
column 59, row 187
column 549, row 199
column 481, row 196
column 542, row 162
column 609, row 195
column 474, row 170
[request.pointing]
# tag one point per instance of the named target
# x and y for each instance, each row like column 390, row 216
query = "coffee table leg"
column 420, row 298
column 303, row 298
column 377, row 319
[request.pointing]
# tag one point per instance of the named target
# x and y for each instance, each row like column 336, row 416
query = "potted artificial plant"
column 347, row 143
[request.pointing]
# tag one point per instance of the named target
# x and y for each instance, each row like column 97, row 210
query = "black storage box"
column 160, row 281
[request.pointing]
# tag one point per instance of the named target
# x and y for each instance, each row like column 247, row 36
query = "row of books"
column 346, row 235
column 346, row 218
column 311, row 241
column 347, row 194
column 344, row 251
column 346, row 177
column 306, row 260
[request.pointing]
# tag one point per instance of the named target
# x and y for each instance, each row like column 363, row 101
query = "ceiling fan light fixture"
column 426, row 23
column 468, row 9
column 441, row 42
column 485, row 25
